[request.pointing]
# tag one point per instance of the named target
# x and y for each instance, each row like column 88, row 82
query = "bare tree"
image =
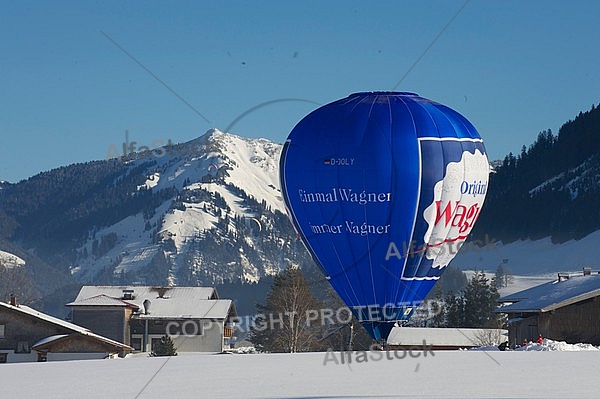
column 290, row 319
column 16, row 281
column 488, row 337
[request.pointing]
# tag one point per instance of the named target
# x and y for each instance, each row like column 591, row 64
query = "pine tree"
column 480, row 298
column 475, row 306
column 453, row 280
column 455, row 310
column 439, row 318
column 499, row 276
column 165, row 347
column 503, row 277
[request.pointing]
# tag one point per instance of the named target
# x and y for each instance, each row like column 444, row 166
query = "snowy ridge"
column 224, row 223
column 10, row 261
column 250, row 164
column 253, row 166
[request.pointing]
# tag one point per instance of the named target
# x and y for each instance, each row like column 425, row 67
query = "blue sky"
column 513, row 68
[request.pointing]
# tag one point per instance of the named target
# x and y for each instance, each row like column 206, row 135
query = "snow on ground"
column 548, row 345
column 151, row 181
column 188, row 224
column 10, row 261
column 135, row 258
column 232, row 200
column 133, row 243
column 551, row 345
column 533, row 257
column 449, row 374
column 520, row 283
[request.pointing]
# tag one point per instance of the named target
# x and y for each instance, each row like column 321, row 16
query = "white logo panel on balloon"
column 456, row 205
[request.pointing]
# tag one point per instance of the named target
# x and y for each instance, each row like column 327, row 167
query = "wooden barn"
column 567, row 309
column 27, row 335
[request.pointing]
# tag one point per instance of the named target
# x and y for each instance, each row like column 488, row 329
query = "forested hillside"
column 552, row 188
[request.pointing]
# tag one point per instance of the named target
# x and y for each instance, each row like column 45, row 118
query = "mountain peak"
column 217, row 134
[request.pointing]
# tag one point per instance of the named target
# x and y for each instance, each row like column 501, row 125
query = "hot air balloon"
column 383, row 188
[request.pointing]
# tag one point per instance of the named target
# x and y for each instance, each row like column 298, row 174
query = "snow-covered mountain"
column 225, row 221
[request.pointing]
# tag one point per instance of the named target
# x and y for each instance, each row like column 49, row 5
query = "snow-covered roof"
column 102, row 300
column 170, row 308
column 165, row 302
column 45, row 344
column 552, row 295
column 147, row 292
column 62, row 323
column 456, row 337
column 49, row 339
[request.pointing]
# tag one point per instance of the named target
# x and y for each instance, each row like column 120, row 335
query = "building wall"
column 575, row 323
column 523, row 330
column 51, row 357
column 110, row 322
column 79, row 344
column 13, row 357
column 210, row 339
column 188, row 335
column 23, row 330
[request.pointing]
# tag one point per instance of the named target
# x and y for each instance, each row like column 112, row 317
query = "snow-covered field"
column 518, row 282
column 534, row 256
column 448, row 374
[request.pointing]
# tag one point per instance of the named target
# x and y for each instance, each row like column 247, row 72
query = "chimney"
column 146, row 306
column 13, row 300
column 162, row 291
column 587, row 271
column 127, row 294
column 563, row 276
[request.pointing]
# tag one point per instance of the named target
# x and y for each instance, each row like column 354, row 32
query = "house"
column 444, row 338
column 567, row 309
column 27, row 335
column 194, row 317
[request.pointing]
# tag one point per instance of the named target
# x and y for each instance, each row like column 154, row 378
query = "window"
column 2, row 327
column 3, row 357
column 136, row 343
column 22, row 347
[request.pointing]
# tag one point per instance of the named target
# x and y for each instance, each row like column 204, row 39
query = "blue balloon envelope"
column 383, row 188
